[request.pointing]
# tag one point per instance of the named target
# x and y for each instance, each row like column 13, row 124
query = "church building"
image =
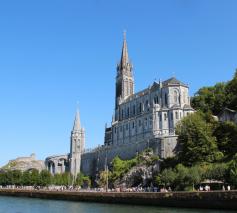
column 145, row 119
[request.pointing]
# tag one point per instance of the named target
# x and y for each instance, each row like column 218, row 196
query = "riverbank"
column 208, row 200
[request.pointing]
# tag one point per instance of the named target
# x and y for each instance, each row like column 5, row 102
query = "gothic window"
column 160, row 117
column 171, row 115
column 133, row 124
column 147, row 103
column 150, row 121
column 122, row 113
column 184, row 97
column 134, row 109
column 176, row 115
column 156, row 100
column 166, row 99
column 140, row 123
column 127, row 84
column 176, row 97
column 128, row 111
column 165, row 116
column 115, row 130
column 140, row 107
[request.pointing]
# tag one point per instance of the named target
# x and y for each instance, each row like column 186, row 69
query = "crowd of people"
column 119, row 189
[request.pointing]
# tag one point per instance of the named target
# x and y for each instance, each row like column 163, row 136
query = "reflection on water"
column 32, row 205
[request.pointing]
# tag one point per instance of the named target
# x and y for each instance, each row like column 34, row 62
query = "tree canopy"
column 197, row 144
column 214, row 98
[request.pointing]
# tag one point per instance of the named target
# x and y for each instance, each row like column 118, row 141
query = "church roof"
column 173, row 81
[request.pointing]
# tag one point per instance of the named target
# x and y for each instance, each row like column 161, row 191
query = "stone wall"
column 199, row 200
column 95, row 161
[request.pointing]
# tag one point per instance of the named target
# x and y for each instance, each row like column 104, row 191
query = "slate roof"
column 173, row 81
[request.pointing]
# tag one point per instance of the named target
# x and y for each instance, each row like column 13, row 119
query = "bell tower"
column 77, row 146
column 124, row 78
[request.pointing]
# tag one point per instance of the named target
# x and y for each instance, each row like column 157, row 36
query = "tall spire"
column 124, row 56
column 124, row 78
column 77, row 123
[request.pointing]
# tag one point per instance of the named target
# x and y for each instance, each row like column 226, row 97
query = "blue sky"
column 55, row 53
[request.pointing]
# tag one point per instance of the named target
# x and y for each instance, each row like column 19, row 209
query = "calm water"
column 32, row 205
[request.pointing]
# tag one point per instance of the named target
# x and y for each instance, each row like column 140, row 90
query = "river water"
column 33, row 205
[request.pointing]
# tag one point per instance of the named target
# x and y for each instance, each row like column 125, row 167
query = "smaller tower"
column 77, row 146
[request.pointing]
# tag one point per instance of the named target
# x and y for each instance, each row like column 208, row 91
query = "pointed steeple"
column 124, row 78
column 77, row 123
column 124, row 56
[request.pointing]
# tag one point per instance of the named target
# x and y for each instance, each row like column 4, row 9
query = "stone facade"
column 77, row 146
column 146, row 119
column 71, row 162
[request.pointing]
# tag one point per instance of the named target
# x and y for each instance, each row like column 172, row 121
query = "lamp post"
column 106, row 168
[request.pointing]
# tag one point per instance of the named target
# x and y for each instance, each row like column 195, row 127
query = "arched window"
column 165, row 116
column 171, row 115
column 176, row 97
column 134, row 109
column 166, row 99
column 140, row 107
column 176, row 115
column 184, row 98
column 156, row 100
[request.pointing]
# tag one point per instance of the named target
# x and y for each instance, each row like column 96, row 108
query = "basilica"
column 145, row 119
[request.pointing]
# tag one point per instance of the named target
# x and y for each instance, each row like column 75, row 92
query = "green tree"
column 82, row 180
column 216, row 171
column 25, row 180
column 196, row 141
column 226, row 135
column 45, row 178
column 194, row 176
column 212, row 99
column 166, row 178
column 16, row 177
column 233, row 171
column 103, row 176
column 120, row 167
column 34, row 177
column 3, row 178
column 231, row 92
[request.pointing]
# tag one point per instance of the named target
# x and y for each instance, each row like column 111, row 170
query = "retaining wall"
column 211, row 200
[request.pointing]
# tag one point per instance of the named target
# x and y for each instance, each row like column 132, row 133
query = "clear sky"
column 54, row 53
